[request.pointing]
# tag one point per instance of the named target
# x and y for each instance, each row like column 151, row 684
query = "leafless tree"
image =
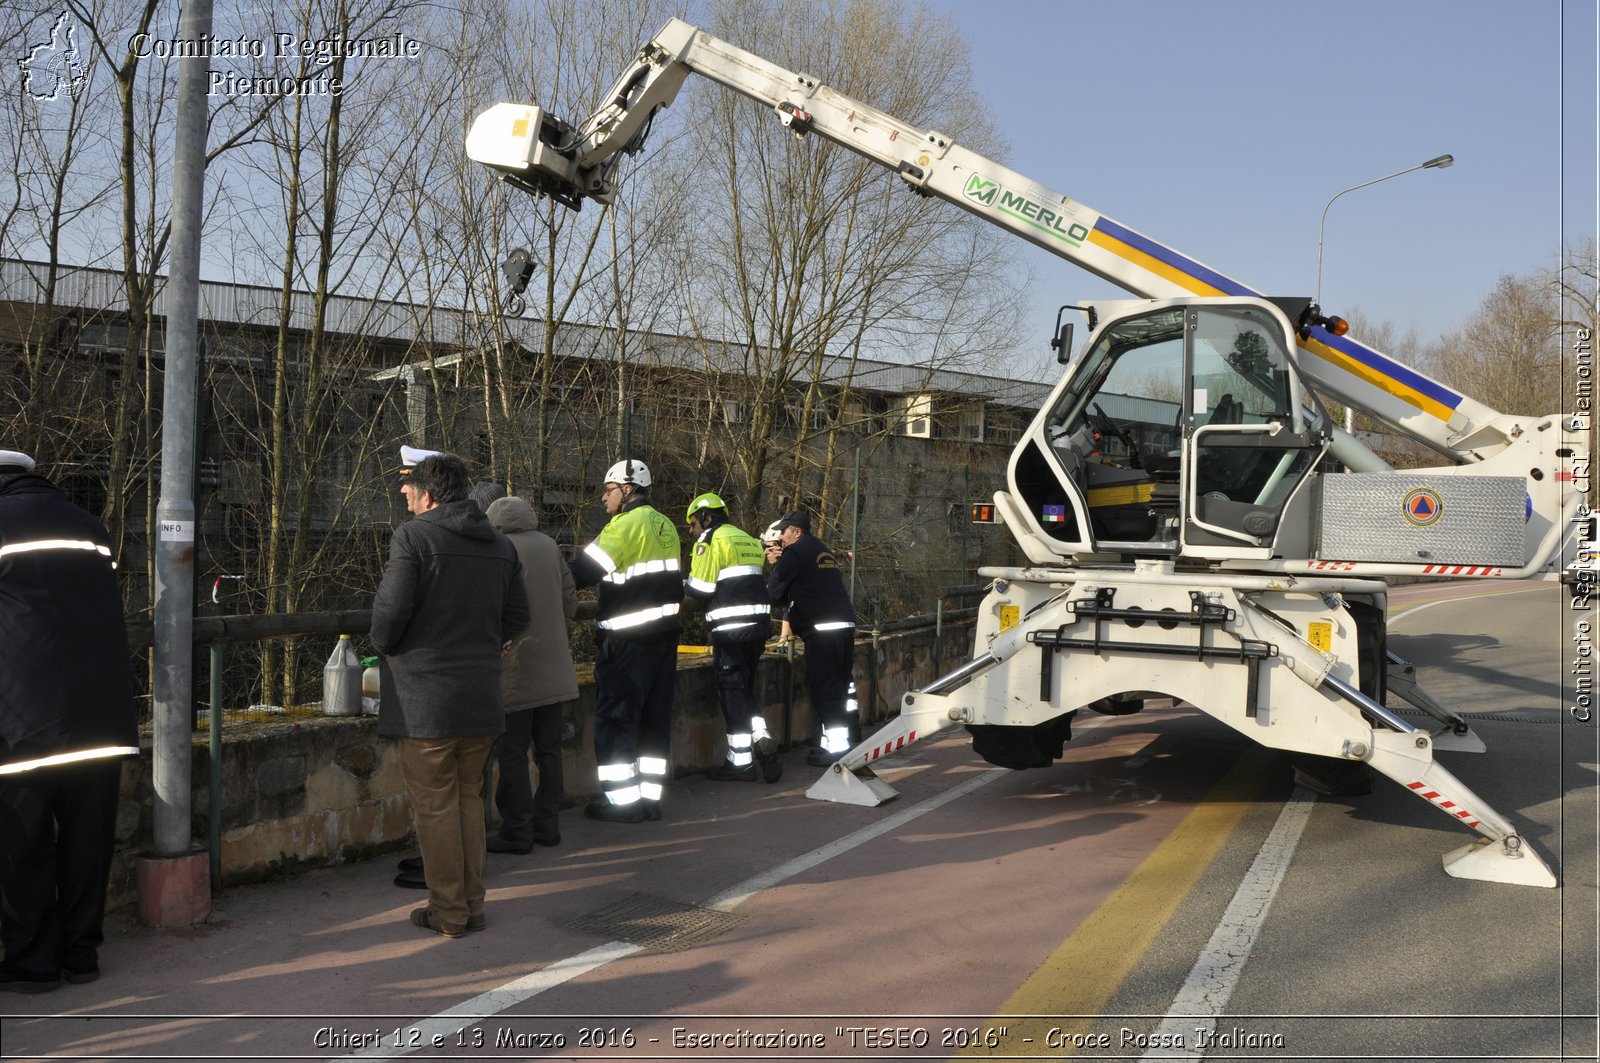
column 799, row 260
column 550, row 366
column 1576, row 289
column 1508, row 348
column 307, row 421
column 51, row 129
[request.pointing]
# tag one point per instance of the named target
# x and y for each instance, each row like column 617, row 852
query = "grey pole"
column 173, row 690
column 855, row 522
column 1438, row 162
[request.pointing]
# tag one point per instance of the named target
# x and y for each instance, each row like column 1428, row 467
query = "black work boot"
column 767, row 757
column 726, row 772
column 821, row 758
column 614, row 813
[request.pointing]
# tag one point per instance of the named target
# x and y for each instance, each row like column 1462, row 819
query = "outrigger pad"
column 1462, row 743
column 861, row 787
column 1488, row 860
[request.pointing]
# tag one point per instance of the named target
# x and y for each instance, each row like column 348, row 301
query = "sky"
column 1223, row 128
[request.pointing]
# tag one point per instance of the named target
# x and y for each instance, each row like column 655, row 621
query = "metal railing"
column 217, row 632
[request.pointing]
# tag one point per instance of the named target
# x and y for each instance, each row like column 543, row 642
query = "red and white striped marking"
column 1462, row 570
column 1421, row 790
column 889, row 747
column 1433, row 570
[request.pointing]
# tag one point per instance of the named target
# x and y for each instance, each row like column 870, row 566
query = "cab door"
column 1252, row 434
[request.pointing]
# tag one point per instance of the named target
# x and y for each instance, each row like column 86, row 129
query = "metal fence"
column 219, row 633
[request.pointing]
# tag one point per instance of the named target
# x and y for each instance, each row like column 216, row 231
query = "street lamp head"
column 1438, row 162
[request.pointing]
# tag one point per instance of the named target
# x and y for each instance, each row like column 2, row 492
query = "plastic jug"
column 369, row 677
column 341, row 681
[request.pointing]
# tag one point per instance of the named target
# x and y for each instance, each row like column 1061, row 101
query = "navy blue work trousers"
column 57, row 832
column 634, row 685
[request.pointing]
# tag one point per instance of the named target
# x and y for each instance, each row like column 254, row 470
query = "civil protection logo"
column 54, row 67
column 1422, row 507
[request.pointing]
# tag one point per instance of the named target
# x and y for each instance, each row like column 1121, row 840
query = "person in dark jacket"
column 535, row 678
column 66, row 723
column 449, row 603
column 635, row 561
column 806, row 579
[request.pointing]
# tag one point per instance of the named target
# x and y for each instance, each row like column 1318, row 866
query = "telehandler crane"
column 1195, row 525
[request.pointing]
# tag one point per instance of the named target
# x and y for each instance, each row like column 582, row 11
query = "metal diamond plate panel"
column 1412, row 518
column 655, row 923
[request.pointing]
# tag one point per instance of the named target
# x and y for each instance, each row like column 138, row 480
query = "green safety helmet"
column 709, row 500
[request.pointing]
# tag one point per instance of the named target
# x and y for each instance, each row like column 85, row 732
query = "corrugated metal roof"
column 414, row 323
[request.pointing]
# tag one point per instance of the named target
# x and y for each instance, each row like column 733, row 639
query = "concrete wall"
column 315, row 790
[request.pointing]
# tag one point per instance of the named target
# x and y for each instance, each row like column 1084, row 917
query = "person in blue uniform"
column 807, row 580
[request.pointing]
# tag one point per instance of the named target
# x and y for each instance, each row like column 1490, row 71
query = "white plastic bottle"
column 341, row 681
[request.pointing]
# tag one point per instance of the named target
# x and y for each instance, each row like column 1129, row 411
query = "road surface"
column 1165, row 891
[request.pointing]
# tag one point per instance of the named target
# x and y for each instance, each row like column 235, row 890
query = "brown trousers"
column 444, row 782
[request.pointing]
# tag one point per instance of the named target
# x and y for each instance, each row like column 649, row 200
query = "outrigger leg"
column 852, row 781
column 1405, row 755
column 1456, row 736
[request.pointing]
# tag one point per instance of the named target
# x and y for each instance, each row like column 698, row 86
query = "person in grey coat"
column 535, row 678
column 449, row 604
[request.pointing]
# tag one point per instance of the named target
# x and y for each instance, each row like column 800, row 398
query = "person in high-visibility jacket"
column 806, row 578
column 725, row 574
column 635, row 561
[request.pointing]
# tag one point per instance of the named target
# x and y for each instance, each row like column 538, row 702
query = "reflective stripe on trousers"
column 652, row 777
column 620, row 783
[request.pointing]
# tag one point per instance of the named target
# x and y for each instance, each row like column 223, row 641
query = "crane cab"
column 1182, row 431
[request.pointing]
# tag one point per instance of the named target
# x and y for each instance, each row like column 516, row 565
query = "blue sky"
column 1222, row 128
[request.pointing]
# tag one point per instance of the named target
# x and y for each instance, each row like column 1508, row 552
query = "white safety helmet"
column 628, row 471
column 773, row 534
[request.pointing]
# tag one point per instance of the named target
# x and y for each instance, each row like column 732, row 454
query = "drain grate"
column 655, row 923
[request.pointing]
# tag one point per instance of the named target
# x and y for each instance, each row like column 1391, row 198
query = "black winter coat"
column 450, row 596
column 66, row 681
column 806, row 579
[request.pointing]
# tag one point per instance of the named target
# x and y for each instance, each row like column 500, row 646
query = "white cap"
column 773, row 533
column 413, row 456
column 629, row 471
column 16, row 459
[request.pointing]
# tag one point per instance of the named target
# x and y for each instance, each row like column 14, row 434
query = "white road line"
column 1216, row 973
column 446, row 1023
column 1406, row 613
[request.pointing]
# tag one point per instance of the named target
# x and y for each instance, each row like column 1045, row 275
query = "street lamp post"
column 1437, row 163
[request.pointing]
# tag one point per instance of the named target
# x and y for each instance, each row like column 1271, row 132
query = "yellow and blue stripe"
column 1348, row 356
column 1385, row 374
column 1163, row 261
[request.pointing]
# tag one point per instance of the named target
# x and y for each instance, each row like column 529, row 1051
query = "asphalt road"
column 1165, row 877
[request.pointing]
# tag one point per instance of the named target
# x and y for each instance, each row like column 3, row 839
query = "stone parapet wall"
column 308, row 791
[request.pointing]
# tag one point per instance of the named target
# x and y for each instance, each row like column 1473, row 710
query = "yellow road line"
column 1087, row 969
